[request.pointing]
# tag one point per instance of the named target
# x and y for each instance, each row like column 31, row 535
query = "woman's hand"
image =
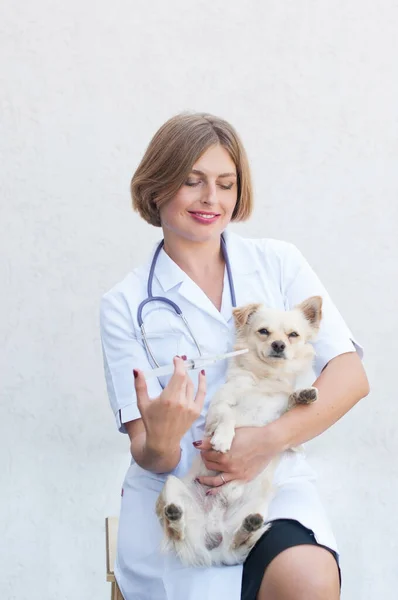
column 251, row 451
column 169, row 416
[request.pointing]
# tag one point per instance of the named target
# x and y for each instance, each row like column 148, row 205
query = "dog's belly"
column 257, row 409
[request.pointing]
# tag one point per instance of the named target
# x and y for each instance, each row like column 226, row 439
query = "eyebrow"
column 197, row 172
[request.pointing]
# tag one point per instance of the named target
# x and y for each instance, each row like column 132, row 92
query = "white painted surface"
column 313, row 90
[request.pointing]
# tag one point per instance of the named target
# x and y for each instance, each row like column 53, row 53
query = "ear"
column 243, row 314
column 312, row 310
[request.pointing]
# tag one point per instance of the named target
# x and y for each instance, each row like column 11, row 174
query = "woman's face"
column 203, row 206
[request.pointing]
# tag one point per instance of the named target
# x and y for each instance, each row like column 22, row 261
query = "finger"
column 215, row 481
column 201, row 391
column 203, row 444
column 212, row 466
column 190, row 389
column 214, row 491
column 140, row 389
column 178, row 381
column 216, row 457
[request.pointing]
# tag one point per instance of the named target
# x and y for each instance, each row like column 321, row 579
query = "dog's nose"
column 278, row 347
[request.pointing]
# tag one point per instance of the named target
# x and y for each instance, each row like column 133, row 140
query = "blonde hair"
column 169, row 158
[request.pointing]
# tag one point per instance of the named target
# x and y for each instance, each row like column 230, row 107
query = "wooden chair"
column 111, row 525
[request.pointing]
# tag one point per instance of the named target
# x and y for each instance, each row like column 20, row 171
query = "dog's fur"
column 260, row 387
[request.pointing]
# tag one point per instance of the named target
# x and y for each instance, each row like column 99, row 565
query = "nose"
column 210, row 195
column 278, row 347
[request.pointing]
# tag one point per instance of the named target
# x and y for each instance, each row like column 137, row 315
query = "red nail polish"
column 184, row 357
column 203, row 372
column 208, row 493
column 197, row 444
column 135, row 374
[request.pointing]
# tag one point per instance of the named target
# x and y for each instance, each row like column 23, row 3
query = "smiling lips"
column 204, row 217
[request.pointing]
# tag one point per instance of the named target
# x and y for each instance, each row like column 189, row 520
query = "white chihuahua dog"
column 222, row 528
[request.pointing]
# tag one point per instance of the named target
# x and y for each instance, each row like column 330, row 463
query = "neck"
column 262, row 371
column 194, row 257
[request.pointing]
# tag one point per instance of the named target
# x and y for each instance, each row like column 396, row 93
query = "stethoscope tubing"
column 173, row 305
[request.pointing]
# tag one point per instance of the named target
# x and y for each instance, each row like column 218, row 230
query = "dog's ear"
column 243, row 313
column 312, row 310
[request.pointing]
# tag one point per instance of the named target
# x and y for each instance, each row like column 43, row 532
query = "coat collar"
column 241, row 258
column 169, row 275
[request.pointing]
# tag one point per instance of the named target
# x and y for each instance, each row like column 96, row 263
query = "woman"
column 192, row 182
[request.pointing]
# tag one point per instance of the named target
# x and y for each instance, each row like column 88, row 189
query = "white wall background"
column 313, row 89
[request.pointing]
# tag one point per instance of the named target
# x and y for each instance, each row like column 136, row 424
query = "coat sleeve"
column 122, row 352
column 298, row 282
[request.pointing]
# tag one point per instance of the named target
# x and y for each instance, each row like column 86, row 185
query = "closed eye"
column 293, row 334
column 263, row 331
column 221, row 186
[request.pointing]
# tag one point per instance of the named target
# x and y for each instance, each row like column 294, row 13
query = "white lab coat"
column 267, row 271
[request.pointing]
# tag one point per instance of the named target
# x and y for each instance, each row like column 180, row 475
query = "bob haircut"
column 170, row 156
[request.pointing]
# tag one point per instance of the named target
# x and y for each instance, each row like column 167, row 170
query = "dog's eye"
column 263, row 331
column 293, row 334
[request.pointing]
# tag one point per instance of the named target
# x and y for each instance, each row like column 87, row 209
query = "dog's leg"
column 180, row 511
column 245, row 534
column 223, row 435
column 221, row 404
column 304, row 396
column 220, row 426
column 170, row 508
column 247, row 519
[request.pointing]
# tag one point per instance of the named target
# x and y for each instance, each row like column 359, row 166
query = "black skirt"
column 283, row 534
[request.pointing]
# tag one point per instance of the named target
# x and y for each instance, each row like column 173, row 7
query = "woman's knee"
column 301, row 573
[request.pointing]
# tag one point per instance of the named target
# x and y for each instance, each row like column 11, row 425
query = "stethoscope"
column 173, row 305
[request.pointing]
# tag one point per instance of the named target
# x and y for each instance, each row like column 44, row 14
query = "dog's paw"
column 223, row 436
column 252, row 522
column 306, row 396
column 221, row 443
column 172, row 512
column 209, row 432
column 174, row 522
